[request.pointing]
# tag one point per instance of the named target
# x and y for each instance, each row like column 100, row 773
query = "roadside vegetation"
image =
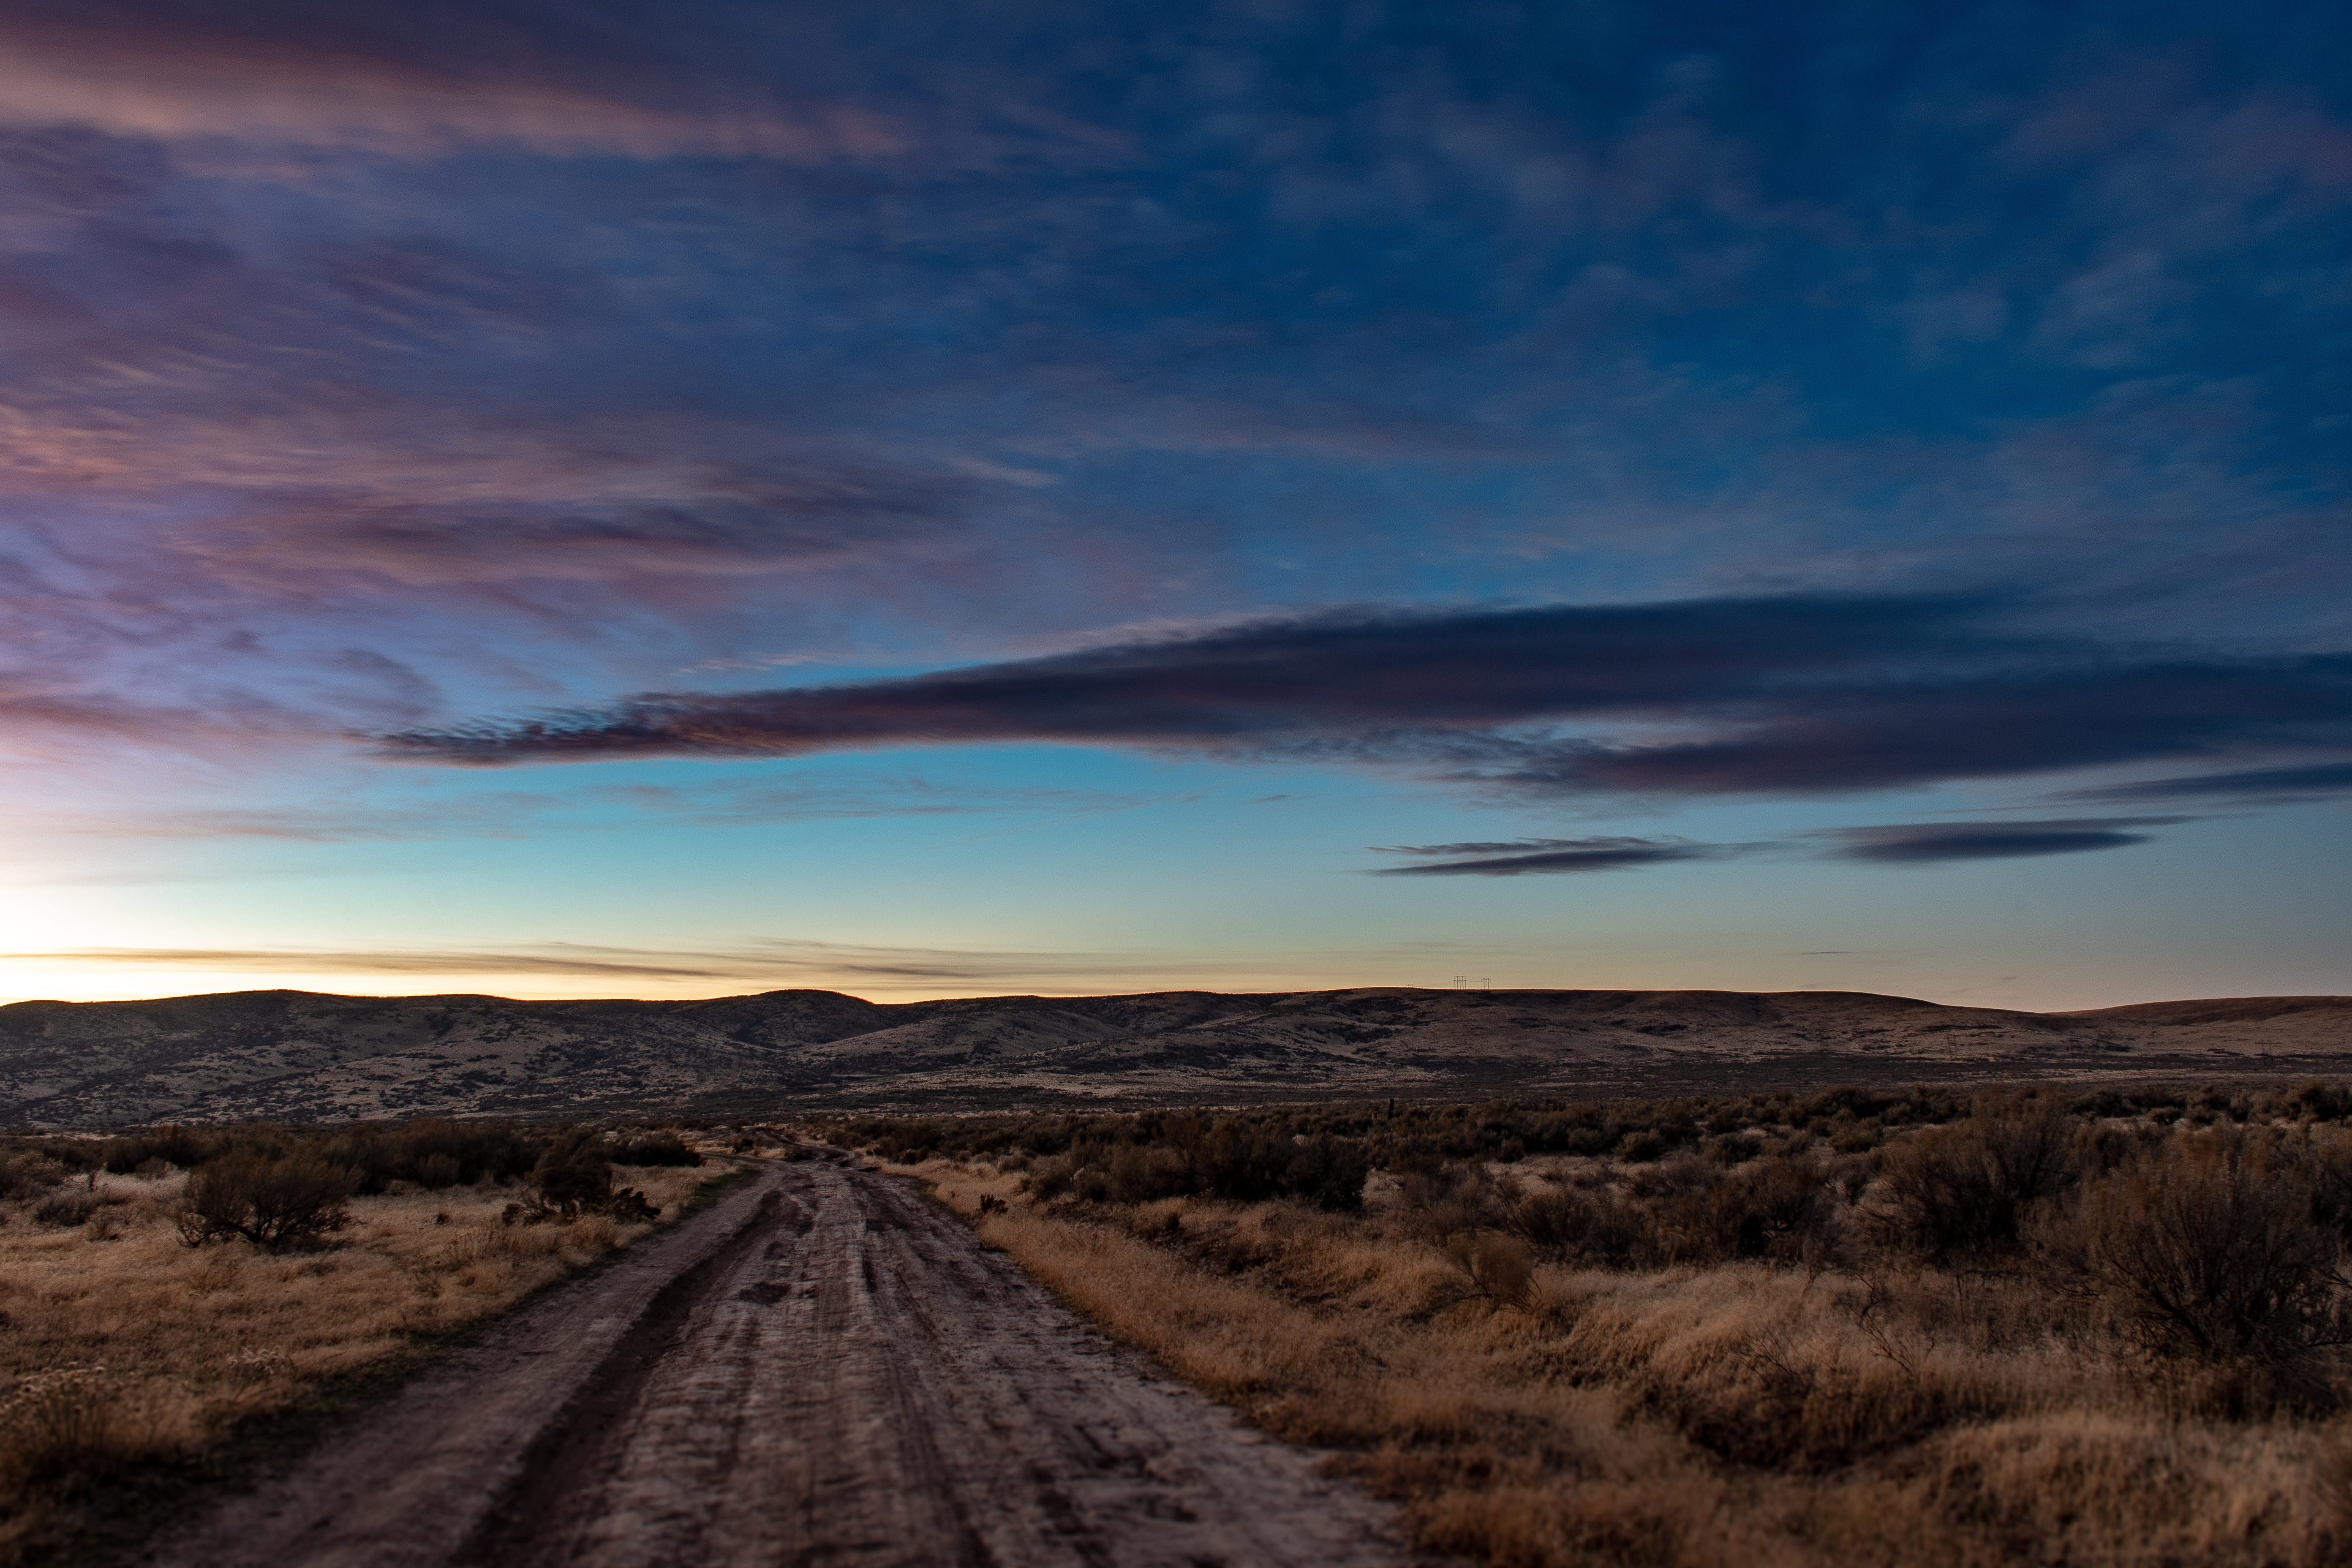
column 1845, row 1327
column 159, row 1288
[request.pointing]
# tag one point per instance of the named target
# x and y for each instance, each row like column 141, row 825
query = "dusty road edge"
column 124, row 1519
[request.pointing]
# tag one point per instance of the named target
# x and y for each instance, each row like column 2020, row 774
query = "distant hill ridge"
column 305, row 1056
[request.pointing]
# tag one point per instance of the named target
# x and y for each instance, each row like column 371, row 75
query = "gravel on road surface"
column 825, row 1367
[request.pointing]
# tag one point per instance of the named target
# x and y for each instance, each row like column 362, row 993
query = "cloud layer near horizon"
column 1797, row 695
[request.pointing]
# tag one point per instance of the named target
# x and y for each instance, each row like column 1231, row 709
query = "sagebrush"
column 1922, row 1328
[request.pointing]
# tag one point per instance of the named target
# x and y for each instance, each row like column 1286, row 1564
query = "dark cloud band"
column 2316, row 782
column 1798, row 695
column 1553, row 857
column 1915, row 844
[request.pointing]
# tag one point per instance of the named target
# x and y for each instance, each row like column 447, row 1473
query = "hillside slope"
column 302, row 1056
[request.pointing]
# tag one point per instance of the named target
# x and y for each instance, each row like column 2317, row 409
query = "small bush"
column 2209, row 1249
column 23, row 1175
column 1599, row 1229
column 1647, row 1145
column 1776, row 1208
column 66, row 1208
column 1959, row 1191
column 1499, row 1268
column 574, row 1178
column 277, row 1201
column 1452, row 1200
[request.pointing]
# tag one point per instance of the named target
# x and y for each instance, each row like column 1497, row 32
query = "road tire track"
column 825, row 1368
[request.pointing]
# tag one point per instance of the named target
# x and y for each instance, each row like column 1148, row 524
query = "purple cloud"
column 1549, row 857
column 1931, row 843
column 1788, row 696
column 2317, row 781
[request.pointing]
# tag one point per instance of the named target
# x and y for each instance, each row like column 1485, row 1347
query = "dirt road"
column 824, row 1368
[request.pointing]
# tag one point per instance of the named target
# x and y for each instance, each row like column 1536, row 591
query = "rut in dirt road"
column 824, row 1368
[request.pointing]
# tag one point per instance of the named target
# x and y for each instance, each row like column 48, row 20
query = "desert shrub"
column 1774, row 1207
column 434, row 1153
column 1554, row 1219
column 574, row 1177
column 1141, row 1174
column 66, row 1206
column 182, row 1146
column 1451, row 1200
column 2211, row 1248
column 1599, row 1230
column 1238, row 1158
column 575, row 1174
column 1241, row 1160
column 1957, row 1190
column 25, row 1172
column 2316, row 1102
column 1649, row 1144
column 1497, row 1267
column 654, row 1148
column 1329, row 1172
column 272, row 1200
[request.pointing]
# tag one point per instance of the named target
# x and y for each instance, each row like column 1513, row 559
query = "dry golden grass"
column 1734, row 1414
column 119, row 1345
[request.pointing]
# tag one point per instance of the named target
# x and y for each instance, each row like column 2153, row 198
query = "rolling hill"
column 301, row 1056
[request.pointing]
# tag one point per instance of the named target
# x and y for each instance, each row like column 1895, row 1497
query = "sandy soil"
column 824, row 1368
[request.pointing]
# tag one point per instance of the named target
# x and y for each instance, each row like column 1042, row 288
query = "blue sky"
column 675, row 500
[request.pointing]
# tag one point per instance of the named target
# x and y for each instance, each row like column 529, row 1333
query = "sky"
column 615, row 498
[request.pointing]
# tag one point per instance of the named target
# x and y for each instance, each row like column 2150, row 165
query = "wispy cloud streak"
column 1550, row 857
column 1919, row 844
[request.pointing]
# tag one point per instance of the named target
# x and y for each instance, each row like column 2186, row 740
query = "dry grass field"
column 123, row 1345
column 1924, row 1333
